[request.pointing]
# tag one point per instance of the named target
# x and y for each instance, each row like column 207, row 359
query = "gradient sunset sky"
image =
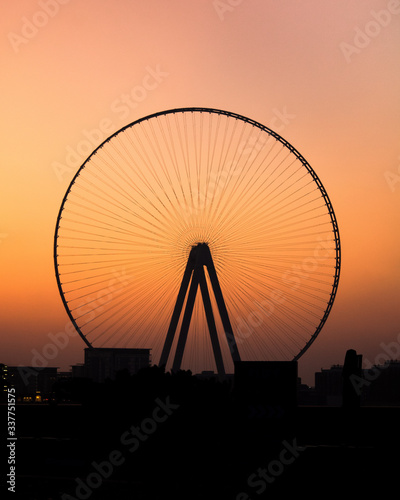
column 324, row 75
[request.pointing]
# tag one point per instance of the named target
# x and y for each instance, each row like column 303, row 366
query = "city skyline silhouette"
column 260, row 130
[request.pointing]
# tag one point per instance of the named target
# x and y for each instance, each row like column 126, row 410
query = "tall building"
column 329, row 386
column 104, row 362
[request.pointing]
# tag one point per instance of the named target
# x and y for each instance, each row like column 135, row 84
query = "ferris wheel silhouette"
column 198, row 200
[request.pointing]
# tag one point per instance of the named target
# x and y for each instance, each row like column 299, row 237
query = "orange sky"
column 324, row 75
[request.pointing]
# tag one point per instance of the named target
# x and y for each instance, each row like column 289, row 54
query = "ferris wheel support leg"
column 187, row 316
column 176, row 314
column 211, row 324
column 222, row 309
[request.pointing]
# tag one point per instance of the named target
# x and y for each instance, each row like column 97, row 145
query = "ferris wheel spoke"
column 255, row 185
column 110, row 214
column 255, row 211
column 116, row 201
column 250, row 210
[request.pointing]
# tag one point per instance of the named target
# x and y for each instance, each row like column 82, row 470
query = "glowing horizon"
column 92, row 69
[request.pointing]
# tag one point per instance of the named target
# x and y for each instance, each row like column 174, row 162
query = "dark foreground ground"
column 201, row 447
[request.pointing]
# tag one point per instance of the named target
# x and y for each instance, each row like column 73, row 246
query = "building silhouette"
column 260, row 385
column 31, row 384
column 3, row 381
column 78, row 370
column 329, row 386
column 105, row 362
column 380, row 384
column 352, row 369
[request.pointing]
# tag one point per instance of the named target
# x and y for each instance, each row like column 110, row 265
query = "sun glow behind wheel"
column 169, row 181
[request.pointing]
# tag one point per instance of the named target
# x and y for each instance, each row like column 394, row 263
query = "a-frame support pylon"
column 199, row 257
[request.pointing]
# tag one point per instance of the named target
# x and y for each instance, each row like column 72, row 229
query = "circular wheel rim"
column 244, row 153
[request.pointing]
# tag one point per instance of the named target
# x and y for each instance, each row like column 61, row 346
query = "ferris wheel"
column 198, row 232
